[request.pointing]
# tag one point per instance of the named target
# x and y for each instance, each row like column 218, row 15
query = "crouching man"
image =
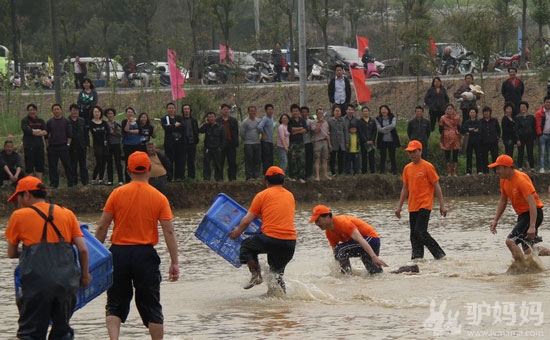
column 349, row 237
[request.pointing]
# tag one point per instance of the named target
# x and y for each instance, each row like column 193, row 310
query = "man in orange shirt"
column 49, row 282
column 349, row 237
column 136, row 208
column 518, row 188
column 276, row 207
column 420, row 181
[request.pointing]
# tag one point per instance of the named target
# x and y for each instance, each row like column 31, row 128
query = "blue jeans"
column 544, row 150
column 283, row 158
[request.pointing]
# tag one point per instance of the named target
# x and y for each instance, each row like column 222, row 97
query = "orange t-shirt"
column 26, row 225
column 345, row 225
column 517, row 189
column 276, row 207
column 420, row 179
column 136, row 208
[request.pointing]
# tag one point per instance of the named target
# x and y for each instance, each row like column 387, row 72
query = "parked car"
column 335, row 55
column 159, row 70
column 100, row 69
column 208, row 62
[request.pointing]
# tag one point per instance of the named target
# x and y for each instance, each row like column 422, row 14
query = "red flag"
column 361, row 89
column 176, row 78
column 362, row 43
column 432, row 48
column 223, row 53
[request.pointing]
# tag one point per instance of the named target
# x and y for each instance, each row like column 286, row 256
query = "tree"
column 221, row 10
column 539, row 14
column 143, row 12
column 195, row 11
column 320, row 13
column 506, row 22
column 354, row 11
column 288, row 7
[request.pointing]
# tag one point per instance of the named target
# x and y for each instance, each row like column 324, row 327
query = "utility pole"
column 302, row 51
column 55, row 54
column 257, row 22
column 15, row 47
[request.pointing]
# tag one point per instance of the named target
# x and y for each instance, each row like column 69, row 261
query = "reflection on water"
column 209, row 303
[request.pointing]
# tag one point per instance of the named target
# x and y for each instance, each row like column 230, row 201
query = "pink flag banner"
column 177, row 79
column 224, row 50
column 361, row 89
column 362, row 43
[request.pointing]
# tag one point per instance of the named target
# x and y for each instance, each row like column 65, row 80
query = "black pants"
column 367, row 160
column 252, row 160
column 420, row 236
column 100, row 155
column 78, row 162
column 279, row 252
column 56, row 153
column 526, row 142
column 230, row 153
column 115, row 155
column 309, row 159
column 189, row 154
column 209, row 156
column 487, row 148
column 340, row 155
column 267, row 155
column 174, row 152
column 473, row 148
column 434, row 118
column 390, row 148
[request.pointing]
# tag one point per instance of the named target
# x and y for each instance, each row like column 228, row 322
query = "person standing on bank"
column 468, row 96
column 420, row 182
column 388, row 139
column 366, row 126
column 449, row 141
column 80, row 72
column 277, row 60
column 49, row 275
column 517, row 187
column 277, row 239
column 512, row 89
column 214, row 141
column 509, row 132
column 229, row 151
column 526, row 131
column 173, row 140
column 87, row 99
column 419, row 128
column 136, row 209
column 34, row 131
column 349, row 237
column 436, row 99
column 265, row 128
column 339, row 88
column 251, row 141
column 79, row 145
column 60, row 134
column 190, row 140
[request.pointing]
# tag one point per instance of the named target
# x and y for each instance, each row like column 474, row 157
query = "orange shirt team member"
column 276, row 207
column 48, row 286
column 349, row 237
column 518, row 188
column 420, row 181
column 136, row 208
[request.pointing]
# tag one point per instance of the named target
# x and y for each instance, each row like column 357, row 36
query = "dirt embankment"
column 401, row 96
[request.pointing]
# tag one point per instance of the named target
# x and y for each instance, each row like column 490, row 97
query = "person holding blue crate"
column 276, row 207
column 49, row 274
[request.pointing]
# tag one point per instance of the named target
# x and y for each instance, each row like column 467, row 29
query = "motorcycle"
column 466, row 64
column 319, row 71
column 215, row 74
column 370, row 72
column 503, row 61
column 448, row 65
column 262, row 72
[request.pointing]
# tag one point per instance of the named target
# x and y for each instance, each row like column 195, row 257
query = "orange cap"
column 318, row 211
column 503, row 160
column 414, row 145
column 274, row 170
column 29, row 183
column 139, row 162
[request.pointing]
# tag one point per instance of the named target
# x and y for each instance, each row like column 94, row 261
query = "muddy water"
column 473, row 297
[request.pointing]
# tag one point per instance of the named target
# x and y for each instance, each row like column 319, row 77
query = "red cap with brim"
column 29, row 183
column 318, row 211
column 503, row 160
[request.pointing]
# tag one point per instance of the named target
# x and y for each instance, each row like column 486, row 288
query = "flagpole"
column 302, row 51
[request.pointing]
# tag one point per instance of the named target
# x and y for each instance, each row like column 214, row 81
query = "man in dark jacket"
column 339, row 88
column 366, row 128
column 419, row 129
column 190, row 140
column 79, row 145
column 214, row 143
column 490, row 135
column 11, row 168
column 34, row 131
column 512, row 90
column 172, row 124
column 231, row 127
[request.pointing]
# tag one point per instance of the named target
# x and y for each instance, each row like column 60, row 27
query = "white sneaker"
column 541, row 170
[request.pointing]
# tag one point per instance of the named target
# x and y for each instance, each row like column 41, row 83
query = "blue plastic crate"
column 100, row 266
column 224, row 215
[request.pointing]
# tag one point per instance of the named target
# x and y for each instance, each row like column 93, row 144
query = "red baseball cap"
column 503, row 160
column 414, row 145
column 29, row 183
column 139, row 162
column 274, row 170
column 319, row 210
